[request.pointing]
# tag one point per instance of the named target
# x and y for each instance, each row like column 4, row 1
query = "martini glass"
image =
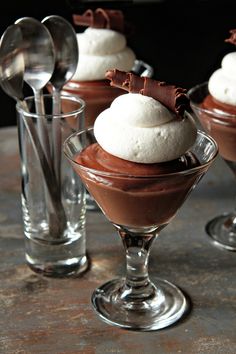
column 222, row 127
column 139, row 207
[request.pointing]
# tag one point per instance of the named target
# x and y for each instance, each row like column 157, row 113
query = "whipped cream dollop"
column 140, row 129
column 99, row 50
column 222, row 83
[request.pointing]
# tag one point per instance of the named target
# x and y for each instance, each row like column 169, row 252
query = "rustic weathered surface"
column 45, row 315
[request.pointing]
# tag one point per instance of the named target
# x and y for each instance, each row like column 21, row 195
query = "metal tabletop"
column 46, row 315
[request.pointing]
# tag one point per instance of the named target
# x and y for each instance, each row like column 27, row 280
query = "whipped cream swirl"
column 222, row 83
column 99, row 50
column 140, row 129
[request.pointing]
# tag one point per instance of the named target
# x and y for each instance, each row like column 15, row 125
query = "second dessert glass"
column 139, row 207
column 222, row 127
column 98, row 96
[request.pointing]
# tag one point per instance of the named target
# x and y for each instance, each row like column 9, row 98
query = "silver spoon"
column 12, row 62
column 65, row 48
column 11, row 81
column 39, row 61
column 66, row 60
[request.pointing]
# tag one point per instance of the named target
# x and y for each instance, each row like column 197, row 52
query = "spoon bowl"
column 12, row 62
column 65, row 47
column 39, row 54
column 66, row 59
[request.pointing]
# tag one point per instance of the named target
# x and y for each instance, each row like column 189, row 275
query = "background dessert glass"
column 222, row 127
column 139, row 207
column 98, row 96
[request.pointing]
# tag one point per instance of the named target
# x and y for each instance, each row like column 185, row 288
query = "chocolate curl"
column 126, row 81
column 100, row 18
column 174, row 98
column 114, row 19
column 118, row 78
column 84, row 20
column 232, row 38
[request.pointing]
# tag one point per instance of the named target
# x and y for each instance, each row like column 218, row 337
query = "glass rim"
column 105, row 83
column 68, row 97
column 74, row 85
column 122, row 175
column 223, row 115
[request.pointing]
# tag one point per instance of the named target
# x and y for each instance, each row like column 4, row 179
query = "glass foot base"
column 161, row 312
column 222, row 231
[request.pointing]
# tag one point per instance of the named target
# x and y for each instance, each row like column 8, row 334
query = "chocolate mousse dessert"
column 219, row 115
column 143, row 160
column 214, row 103
column 101, row 46
column 141, row 156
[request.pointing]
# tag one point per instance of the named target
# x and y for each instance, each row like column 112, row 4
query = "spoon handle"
column 42, row 127
column 48, row 173
column 54, row 188
column 56, row 134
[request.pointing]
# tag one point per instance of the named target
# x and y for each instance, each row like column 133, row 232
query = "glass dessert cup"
column 98, row 96
column 222, row 127
column 139, row 207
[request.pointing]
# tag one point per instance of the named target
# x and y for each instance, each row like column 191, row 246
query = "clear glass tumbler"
column 53, row 196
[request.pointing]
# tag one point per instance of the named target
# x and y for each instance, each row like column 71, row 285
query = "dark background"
column 182, row 40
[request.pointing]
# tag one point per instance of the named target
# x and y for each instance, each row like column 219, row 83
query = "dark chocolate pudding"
column 219, row 120
column 130, row 193
column 98, row 96
column 218, row 116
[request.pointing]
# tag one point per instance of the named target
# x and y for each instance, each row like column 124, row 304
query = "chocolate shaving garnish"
column 232, row 38
column 126, row 81
column 101, row 18
column 117, row 78
column 135, row 83
column 172, row 97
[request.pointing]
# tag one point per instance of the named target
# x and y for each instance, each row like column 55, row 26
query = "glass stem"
column 230, row 223
column 234, row 217
column 137, row 248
